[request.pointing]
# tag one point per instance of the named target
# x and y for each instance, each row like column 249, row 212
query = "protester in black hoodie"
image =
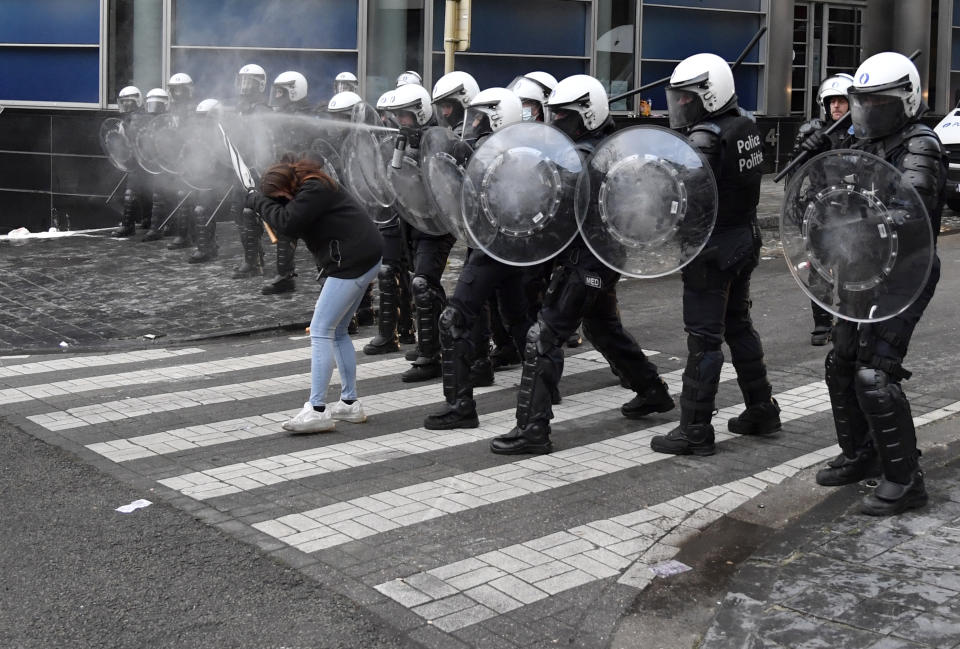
column 299, row 200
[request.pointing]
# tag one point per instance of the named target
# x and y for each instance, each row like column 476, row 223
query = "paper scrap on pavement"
column 135, row 505
column 669, row 568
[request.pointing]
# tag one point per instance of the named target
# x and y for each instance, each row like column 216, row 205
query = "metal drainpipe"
column 450, row 34
column 465, row 12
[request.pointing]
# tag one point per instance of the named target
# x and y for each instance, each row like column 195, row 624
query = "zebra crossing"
column 426, row 527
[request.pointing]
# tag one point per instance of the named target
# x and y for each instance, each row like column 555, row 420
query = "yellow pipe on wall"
column 450, row 40
column 464, row 25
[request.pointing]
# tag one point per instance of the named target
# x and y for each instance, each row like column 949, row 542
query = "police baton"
column 660, row 82
column 114, row 192
column 219, row 205
column 842, row 123
column 179, row 205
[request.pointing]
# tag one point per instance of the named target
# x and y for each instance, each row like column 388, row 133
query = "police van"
column 949, row 132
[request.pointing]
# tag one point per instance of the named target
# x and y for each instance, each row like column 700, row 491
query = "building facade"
column 62, row 62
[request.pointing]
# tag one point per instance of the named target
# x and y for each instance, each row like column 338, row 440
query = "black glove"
column 816, row 142
column 462, row 152
column 250, row 201
column 412, row 133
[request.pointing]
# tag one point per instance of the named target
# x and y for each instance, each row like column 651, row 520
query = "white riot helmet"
column 288, row 88
column 210, row 108
column 180, row 87
column 345, row 82
column 490, row 111
column 410, row 76
column 405, row 101
column 836, row 86
column 341, row 105
column 534, row 89
column 700, row 85
column 885, row 95
column 251, row 80
column 158, row 100
column 578, row 104
column 452, row 93
column 129, row 99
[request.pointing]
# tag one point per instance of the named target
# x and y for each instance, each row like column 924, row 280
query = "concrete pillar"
column 147, row 44
column 779, row 39
column 877, row 30
column 912, row 18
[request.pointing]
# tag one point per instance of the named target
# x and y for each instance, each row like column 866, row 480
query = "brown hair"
column 286, row 177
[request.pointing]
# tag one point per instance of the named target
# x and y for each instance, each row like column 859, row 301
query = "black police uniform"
column 395, row 323
column 249, row 226
column 864, row 369
column 583, row 290
column 809, row 132
column 465, row 331
column 137, row 191
column 182, row 228
column 716, row 292
column 293, row 138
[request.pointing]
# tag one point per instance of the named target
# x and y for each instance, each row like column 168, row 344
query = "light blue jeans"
column 329, row 340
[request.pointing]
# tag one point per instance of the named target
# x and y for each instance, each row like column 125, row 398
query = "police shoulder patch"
column 593, row 281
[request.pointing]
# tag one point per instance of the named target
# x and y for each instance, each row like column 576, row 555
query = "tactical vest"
column 736, row 159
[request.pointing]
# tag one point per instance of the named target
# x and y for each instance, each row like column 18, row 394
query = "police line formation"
column 555, row 205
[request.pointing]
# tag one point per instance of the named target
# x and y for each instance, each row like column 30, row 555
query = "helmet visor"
column 568, row 120
column 476, row 124
column 876, row 114
column 449, row 112
column 402, row 118
column 127, row 104
column 180, row 92
column 156, row 105
column 279, row 97
column 344, row 85
column 684, row 107
column 249, row 85
column 532, row 111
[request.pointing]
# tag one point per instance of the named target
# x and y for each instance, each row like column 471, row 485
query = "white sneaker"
column 309, row 420
column 352, row 412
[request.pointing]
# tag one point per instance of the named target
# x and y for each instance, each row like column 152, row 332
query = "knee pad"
column 424, row 294
column 198, row 212
column 541, row 340
column 876, row 386
column 700, row 345
column 838, row 373
column 129, row 196
column 248, row 214
column 387, row 274
column 453, row 323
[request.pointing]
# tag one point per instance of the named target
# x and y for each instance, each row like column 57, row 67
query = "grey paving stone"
column 878, row 615
column 823, row 602
column 935, row 630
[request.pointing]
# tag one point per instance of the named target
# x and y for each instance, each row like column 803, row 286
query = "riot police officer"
column 410, row 108
column 480, row 278
column 208, row 114
column 864, row 369
column 834, row 104
column 582, row 290
column 251, row 87
column 182, row 106
column 288, row 95
column 395, row 323
column 136, row 195
column 701, row 100
column 156, row 103
column 345, row 82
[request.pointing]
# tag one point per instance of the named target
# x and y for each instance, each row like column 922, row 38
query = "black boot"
column 533, row 439
column 843, row 470
column 574, row 340
column 758, row 419
column 504, row 356
column 128, row 218
column 694, row 435
column 890, row 498
column 181, row 228
column 481, row 373
column 423, row 369
column 157, row 208
column 283, row 282
column 820, row 335
column 462, row 414
column 251, row 234
column 207, row 248
column 386, row 339
column 693, row 439
column 655, row 398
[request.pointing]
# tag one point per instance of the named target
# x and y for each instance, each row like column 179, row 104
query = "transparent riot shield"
column 518, row 194
column 116, row 145
column 648, row 202
column 856, row 236
column 327, row 153
column 203, row 157
column 413, row 204
column 167, row 140
column 443, row 177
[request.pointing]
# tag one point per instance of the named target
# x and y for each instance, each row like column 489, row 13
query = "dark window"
column 50, row 21
column 50, row 74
